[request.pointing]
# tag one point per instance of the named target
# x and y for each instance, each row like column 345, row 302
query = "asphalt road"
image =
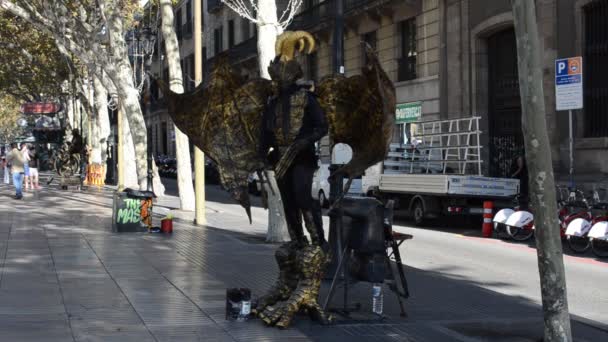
column 457, row 250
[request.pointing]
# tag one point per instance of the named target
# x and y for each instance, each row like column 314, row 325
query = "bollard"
column 486, row 228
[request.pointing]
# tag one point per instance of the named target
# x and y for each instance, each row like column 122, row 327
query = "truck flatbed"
column 449, row 185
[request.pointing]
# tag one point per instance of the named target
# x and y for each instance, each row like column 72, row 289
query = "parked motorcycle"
column 598, row 236
column 520, row 224
column 578, row 229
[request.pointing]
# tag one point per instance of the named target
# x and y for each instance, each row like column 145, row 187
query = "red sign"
column 40, row 108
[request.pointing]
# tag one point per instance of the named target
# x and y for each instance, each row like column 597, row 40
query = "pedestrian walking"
column 15, row 158
column 26, row 166
column 34, row 164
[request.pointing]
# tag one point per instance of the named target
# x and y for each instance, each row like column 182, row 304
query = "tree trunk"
column 102, row 124
column 267, row 36
column 120, row 72
column 70, row 110
column 539, row 163
column 182, row 146
column 128, row 152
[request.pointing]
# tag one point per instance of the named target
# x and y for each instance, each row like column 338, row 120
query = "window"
column 230, row 33
column 178, row 24
column 245, row 29
column 217, row 40
column 190, row 79
column 407, row 60
column 189, row 11
column 371, row 40
column 156, row 151
column 189, row 21
column 595, row 90
column 164, row 137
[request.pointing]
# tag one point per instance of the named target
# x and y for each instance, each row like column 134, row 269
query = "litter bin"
column 132, row 211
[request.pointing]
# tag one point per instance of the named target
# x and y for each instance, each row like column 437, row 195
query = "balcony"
column 314, row 16
column 358, row 5
column 214, row 5
column 236, row 54
column 187, row 30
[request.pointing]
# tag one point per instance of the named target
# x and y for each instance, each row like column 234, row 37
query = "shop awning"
column 40, row 108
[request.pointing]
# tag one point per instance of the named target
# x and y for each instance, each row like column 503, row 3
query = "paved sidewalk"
column 66, row 277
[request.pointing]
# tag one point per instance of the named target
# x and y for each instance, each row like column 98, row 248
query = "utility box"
column 132, row 211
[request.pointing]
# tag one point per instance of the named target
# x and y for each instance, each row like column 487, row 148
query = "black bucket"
column 238, row 304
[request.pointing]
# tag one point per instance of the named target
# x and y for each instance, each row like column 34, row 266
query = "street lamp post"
column 142, row 42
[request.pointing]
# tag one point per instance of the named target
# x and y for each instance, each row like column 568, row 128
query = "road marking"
column 531, row 249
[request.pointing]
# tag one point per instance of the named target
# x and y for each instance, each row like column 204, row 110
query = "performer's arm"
column 317, row 118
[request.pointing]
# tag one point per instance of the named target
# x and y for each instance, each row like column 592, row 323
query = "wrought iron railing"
column 238, row 53
column 314, row 16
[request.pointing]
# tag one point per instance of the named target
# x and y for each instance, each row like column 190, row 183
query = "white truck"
column 440, row 174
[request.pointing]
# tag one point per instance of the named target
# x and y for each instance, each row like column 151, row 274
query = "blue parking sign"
column 569, row 83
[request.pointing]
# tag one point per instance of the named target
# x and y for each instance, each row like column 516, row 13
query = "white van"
column 320, row 185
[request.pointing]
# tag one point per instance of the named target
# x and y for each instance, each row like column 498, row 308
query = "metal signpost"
column 407, row 113
column 569, row 95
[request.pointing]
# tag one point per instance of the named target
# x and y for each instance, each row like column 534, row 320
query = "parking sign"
column 569, row 83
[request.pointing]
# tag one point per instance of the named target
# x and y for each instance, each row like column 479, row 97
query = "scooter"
column 580, row 224
column 598, row 235
column 520, row 225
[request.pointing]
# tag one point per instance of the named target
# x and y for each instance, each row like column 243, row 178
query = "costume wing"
column 223, row 118
column 361, row 113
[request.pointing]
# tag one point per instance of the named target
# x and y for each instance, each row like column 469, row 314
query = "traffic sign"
column 569, row 83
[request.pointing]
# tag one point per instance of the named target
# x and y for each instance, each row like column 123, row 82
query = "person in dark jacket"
column 520, row 171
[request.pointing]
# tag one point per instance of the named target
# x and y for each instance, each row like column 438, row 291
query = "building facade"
column 452, row 58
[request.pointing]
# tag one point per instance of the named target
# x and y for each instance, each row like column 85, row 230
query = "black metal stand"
column 342, row 247
column 336, row 238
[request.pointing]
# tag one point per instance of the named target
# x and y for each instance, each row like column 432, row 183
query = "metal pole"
column 148, row 98
column 571, row 142
column 199, row 157
column 121, row 176
column 338, row 55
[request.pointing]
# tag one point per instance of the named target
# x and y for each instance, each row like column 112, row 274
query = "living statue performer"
column 67, row 159
column 250, row 126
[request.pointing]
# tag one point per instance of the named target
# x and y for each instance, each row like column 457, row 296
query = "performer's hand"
column 288, row 157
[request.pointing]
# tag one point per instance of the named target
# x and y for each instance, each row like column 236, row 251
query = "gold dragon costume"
column 249, row 126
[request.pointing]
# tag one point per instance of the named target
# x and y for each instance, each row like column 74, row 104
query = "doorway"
column 504, row 112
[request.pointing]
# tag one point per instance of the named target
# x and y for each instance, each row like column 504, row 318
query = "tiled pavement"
column 66, row 277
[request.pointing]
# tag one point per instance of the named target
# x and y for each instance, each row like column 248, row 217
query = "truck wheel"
column 418, row 213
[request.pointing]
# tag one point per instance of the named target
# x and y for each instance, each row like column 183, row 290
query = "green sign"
column 408, row 112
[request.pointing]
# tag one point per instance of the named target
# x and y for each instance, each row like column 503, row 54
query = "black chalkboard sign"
column 131, row 213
